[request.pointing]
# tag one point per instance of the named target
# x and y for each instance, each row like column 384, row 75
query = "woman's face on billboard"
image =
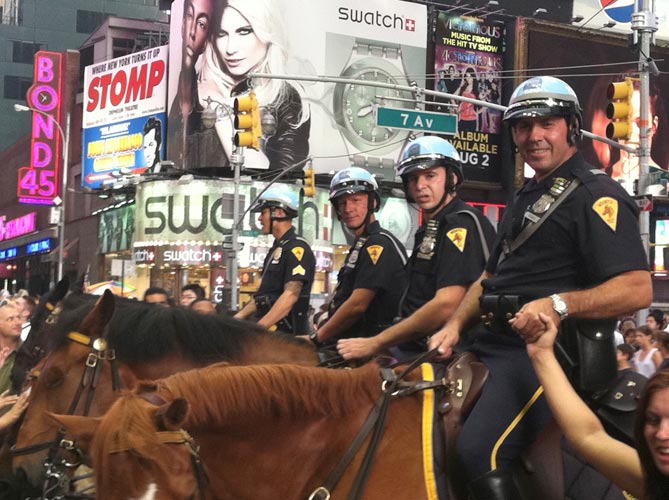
column 238, row 47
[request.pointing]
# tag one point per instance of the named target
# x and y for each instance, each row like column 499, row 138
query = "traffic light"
column 620, row 109
column 309, row 182
column 247, row 121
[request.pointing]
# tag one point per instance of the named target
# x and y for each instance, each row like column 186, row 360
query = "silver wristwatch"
column 560, row 306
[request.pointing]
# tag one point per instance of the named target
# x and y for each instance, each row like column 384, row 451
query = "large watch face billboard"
column 215, row 44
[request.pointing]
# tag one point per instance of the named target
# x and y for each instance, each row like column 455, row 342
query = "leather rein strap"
column 393, row 386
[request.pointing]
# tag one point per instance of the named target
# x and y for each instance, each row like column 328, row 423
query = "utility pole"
column 644, row 26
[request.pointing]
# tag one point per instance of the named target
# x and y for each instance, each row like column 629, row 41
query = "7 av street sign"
column 422, row 121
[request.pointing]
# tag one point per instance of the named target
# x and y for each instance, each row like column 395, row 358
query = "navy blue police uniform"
column 448, row 251
column 376, row 261
column 289, row 259
column 591, row 237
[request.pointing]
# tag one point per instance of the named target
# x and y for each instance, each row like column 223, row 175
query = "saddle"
column 469, row 376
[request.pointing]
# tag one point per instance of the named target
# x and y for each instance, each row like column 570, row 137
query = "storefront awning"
column 51, row 232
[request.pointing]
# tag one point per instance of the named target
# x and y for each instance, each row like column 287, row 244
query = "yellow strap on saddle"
column 428, row 446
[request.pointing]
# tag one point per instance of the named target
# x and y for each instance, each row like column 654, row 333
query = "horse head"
column 75, row 377
column 134, row 439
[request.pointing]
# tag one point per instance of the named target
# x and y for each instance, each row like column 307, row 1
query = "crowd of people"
column 644, row 348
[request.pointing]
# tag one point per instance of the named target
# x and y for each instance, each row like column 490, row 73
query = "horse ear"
column 81, row 429
column 60, row 291
column 78, row 286
column 171, row 415
column 95, row 322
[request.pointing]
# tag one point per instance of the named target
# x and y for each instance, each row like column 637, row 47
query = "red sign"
column 39, row 183
column 17, row 227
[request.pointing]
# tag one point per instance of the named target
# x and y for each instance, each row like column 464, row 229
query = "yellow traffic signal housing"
column 620, row 109
column 309, row 182
column 247, row 121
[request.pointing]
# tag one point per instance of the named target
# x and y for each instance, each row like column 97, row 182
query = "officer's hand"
column 445, row 339
column 527, row 321
column 544, row 341
column 358, row 348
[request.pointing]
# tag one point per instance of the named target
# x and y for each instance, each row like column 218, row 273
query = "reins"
column 393, row 385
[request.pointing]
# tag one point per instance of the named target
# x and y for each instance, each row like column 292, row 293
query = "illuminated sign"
column 17, row 227
column 124, row 119
column 39, row 183
column 9, row 253
column 39, row 246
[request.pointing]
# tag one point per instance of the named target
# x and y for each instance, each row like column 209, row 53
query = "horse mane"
column 141, row 332
column 224, row 393
column 221, row 395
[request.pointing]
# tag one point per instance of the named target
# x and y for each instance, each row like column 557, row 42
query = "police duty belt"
column 539, row 212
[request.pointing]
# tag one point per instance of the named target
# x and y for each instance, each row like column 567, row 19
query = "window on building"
column 24, row 52
column 16, row 87
column 89, row 20
column 122, row 47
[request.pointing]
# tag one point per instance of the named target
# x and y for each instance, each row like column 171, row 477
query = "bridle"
column 182, row 437
column 57, row 476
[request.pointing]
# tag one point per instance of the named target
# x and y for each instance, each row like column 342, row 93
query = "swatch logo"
column 376, row 18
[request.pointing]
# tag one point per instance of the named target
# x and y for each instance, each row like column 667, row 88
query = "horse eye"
column 53, row 377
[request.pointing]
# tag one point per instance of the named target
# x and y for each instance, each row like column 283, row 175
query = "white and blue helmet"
column 427, row 152
column 545, row 96
column 354, row 180
column 278, row 196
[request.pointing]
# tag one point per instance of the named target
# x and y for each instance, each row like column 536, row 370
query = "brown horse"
column 144, row 341
column 265, row 432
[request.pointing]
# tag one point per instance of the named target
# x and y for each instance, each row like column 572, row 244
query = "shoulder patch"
column 299, row 270
column 607, row 209
column 458, row 236
column 374, row 252
column 298, row 252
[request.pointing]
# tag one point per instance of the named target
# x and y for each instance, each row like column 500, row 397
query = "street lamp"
column 65, row 139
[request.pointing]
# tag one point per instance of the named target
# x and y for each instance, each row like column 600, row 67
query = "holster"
column 498, row 310
column 586, row 351
column 263, row 304
column 616, row 408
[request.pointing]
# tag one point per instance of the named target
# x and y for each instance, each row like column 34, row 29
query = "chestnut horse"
column 264, row 432
column 144, row 341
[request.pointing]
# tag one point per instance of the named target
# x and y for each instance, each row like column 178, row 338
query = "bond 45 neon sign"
column 39, row 183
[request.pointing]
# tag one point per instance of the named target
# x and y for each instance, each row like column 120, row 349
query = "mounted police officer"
column 450, row 250
column 370, row 284
column 288, row 271
column 568, row 246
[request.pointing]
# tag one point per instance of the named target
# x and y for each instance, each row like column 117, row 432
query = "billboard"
column 469, row 59
column 124, row 120
column 214, row 44
column 551, row 47
column 596, row 13
column 40, row 182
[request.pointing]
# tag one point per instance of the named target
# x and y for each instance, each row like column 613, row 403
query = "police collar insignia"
column 426, row 248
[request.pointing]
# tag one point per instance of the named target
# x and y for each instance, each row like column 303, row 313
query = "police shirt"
column 289, row 259
column 592, row 236
column 375, row 261
column 451, row 257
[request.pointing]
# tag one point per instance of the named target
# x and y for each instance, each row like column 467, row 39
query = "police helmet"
column 545, row 96
column 354, row 180
column 427, row 152
column 278, row 196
